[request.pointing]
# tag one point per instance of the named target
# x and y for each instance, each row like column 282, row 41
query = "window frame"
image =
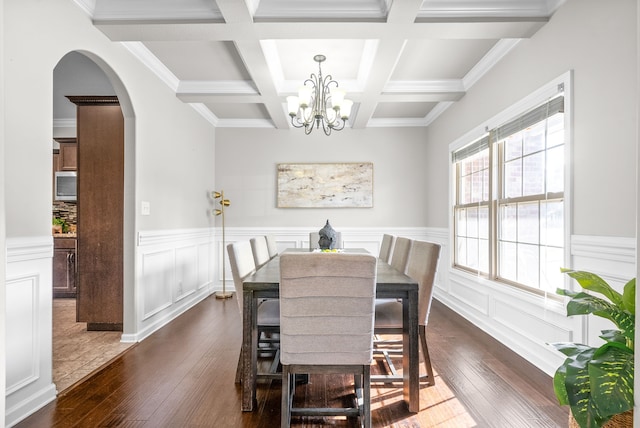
column 563, row 84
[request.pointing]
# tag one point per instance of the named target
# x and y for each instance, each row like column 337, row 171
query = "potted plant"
column 59, row 225
column 597, row 383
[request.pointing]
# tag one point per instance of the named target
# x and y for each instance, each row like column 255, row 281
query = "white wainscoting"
column 28, row 327
column 525, row 322
column 173, row 274
column 174, row 271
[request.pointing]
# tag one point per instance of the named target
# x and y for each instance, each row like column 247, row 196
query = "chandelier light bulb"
column 337, row 97
column 304, row 96
column 293, row 104
column 345, row 109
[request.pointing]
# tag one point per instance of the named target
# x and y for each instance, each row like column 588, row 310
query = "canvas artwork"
column 325, row 185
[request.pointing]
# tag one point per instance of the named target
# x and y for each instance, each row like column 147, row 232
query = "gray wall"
column 246, row 162
column 598, row 41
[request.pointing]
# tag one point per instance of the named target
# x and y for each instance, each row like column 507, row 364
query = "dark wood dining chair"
column 243, row 265
column 326, row 326
column 422, row 266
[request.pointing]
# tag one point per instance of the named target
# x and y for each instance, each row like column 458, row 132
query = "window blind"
column 538, row 114
column 471, row 149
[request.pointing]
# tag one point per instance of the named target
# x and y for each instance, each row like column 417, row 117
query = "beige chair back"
column 242, row 265
column 385, row 247
column 327, row 308
column 422, row 266
column 271, row 245
column 260, row 251
column 400, row 256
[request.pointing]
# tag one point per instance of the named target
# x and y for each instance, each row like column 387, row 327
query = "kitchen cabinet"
column 64, row 267
column 68, row 154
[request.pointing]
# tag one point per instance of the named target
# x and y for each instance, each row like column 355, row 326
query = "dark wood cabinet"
column 100, row 144
column 64, row 267
column 67, row 154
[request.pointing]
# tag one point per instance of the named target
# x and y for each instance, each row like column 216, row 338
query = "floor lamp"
column 220, row 212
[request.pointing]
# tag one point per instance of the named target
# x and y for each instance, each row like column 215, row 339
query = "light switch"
column 145, row 208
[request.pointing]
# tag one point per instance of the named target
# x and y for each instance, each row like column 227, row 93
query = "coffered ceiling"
column 402, row 62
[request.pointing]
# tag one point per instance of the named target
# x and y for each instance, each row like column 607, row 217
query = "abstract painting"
column 325, row 185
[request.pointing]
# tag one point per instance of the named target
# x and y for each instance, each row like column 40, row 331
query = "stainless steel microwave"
column 66, row 185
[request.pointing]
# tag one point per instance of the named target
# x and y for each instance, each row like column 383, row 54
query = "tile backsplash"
column 67, row 211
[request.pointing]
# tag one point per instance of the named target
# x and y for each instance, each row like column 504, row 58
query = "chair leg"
column 425, row 354
column 366, row 395
column 287, row 398
column 239, row 369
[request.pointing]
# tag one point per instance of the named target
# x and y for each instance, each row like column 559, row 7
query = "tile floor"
column 76, row 351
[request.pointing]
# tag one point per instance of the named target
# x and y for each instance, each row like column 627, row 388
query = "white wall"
column 597, row 40
column 246, row 162
column 3, row 232
column 169, row 157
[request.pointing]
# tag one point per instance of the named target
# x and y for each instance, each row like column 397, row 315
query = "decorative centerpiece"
column 327, row 239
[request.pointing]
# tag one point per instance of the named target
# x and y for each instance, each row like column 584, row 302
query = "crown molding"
column 140, row 51
column 495, row 54
column 223, row 87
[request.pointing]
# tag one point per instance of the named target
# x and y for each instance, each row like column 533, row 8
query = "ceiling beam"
column 441, row 29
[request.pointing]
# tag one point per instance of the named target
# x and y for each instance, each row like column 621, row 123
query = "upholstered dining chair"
column 314, row 237
column 271, row 245
column 422, row 266
column 400, row 255
column 385, row 247
column 260, row 251
column 326, row 325
column 243, row 265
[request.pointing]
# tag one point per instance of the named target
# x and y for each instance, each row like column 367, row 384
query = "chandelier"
column 319, row 104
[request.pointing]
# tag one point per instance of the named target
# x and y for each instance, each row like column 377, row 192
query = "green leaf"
column 571, row 349
column 559, row 386
column 583, row 304
column 592, row 282
column 611, row 374
column 629, row 296
column 578, row 386
column 613, row 336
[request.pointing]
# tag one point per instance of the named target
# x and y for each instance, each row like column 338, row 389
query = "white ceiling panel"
column 401, row 62
column 200, row 60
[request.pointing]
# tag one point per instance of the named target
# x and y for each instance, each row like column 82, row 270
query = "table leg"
column 410, row 352
column 249, row 351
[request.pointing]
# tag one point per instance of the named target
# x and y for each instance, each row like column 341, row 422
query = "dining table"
column 390, row 284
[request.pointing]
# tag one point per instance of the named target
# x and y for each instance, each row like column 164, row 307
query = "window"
column 509, row 199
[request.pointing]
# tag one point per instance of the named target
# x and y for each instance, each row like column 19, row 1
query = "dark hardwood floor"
column 183, row 376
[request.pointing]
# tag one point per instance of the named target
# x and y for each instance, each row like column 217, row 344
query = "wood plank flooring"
column 183, row 376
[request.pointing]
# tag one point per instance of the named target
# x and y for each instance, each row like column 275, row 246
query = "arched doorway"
column 77, row 352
